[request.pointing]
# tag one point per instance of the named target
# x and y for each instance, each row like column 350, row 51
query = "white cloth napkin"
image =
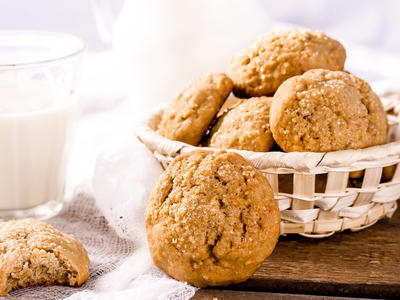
column 124, row 175
column 124, row 172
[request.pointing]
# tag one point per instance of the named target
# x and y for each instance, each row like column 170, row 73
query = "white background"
column 71, row 16
column 373, row 23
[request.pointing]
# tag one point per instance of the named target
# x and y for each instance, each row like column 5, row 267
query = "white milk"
column 35, row 129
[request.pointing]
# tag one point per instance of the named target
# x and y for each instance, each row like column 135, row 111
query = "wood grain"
column 353, row 264
column 209, row 294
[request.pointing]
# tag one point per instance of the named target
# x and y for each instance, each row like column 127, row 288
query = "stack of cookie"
column 212, row 218
column 290, row 90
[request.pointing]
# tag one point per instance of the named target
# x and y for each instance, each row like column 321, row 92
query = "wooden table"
column 351, row 264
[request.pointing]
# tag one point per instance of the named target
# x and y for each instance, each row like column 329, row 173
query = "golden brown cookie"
column 187, row 118
column 211, row 219
column 244, row 127
column 324, row 110
column 277, row 56
column 34, row 253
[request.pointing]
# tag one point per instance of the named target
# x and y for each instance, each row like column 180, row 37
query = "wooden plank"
column 304, row 186
column 213, row 294
column 352, row 264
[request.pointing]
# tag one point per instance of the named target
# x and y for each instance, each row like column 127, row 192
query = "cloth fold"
column 113, row 232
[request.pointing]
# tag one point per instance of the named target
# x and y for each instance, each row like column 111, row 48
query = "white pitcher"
column 161, row 45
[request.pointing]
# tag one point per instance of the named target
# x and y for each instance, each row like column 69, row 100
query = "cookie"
column 324, row 110
column 277, row 56
column 244, row 127
column 34, row 253
column 188, row 116
column 211, row 219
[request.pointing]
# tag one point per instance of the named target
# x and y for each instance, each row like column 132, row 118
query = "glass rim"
column 40, row 62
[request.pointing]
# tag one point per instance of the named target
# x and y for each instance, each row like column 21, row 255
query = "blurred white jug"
column 162, row 45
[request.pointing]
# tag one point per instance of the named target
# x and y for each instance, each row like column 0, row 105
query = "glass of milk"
column 38, row 109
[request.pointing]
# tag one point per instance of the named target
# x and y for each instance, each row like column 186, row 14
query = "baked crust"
column 244, row 127
column 211, row 219
column 324, row 110
column 34, row 253
column 189, row 115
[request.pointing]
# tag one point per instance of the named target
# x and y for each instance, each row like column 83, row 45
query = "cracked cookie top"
column 277, row 56
column 188, row 116
column 244, row 127
column 324, row 110
column 33, row 253
column 211, row 219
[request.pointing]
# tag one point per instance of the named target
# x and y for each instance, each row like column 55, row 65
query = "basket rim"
column 276, row 161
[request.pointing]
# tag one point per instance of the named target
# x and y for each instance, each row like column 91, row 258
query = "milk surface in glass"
column 35, row 130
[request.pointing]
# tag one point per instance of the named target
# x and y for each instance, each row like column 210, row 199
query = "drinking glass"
column 39, row 73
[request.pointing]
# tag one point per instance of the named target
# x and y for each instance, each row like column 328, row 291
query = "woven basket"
column 318, row 193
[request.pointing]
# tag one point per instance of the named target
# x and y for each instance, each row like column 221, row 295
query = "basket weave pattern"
column 316, row 193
